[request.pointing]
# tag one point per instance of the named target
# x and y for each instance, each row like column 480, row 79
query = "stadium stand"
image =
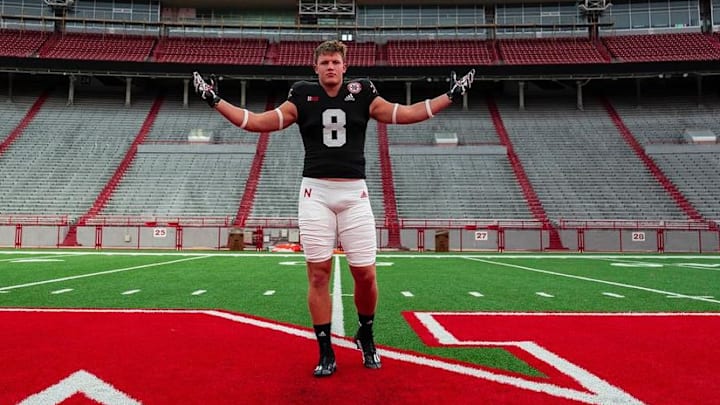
column 663, row 119
column 438, row 52
column 67, row 154
column 111, row 47
column 697, row 175
column 21, row 43
column 580, row 166
column 545, row 51
column 456, row 182
column 236, row 51
column 472, row 126
column 663, row 47
column 175, row 123
column 182, row 180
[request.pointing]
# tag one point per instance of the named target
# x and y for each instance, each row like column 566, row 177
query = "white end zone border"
column 601, row 391
column 598, row 390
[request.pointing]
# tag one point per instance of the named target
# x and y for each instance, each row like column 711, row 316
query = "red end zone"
column 212, row 357
column 655, row 358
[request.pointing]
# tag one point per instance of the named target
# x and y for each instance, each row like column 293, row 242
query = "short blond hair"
column 329, row 47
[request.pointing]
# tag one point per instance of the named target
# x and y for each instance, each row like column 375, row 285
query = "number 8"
column 334, row 129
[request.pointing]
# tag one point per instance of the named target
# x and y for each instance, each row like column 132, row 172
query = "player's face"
column 330, row 69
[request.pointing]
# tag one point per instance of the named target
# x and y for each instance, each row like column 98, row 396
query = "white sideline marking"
column 80, row 382
column 609, row 294
column 36, row 260
column 269, row 292
column 130, row 292
column 63, row 291
column 338, row 316
column 199, row 292
column 699, row 266
column 475, row 294
column 57, row 280
column 15, row 260
column 636, row 264
column 594, row 280
column 682, row 296
column 407, row 294
column 544, row 294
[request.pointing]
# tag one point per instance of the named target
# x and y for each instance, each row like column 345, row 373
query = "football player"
column 332, row 115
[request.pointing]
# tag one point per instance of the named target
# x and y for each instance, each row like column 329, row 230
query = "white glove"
column 459, row 87
column 206, row 91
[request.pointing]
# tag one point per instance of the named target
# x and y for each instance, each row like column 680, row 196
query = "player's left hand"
column 206, row 91
column 459, row 87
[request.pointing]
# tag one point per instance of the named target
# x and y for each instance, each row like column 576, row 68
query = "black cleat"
column 365, row 342
column 326, row 366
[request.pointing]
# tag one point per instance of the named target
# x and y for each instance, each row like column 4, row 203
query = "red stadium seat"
column 21, row 43
column 550, row 51
column 110, row 47
column 236, row 51
column 663, row 47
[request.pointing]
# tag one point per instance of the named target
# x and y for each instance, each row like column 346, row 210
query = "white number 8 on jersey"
column 334, row 127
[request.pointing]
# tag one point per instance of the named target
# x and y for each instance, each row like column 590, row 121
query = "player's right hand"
column 459, row 87
column 206, row 91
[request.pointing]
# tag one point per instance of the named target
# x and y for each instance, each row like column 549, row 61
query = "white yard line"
column 338, row 316
column 130, row 292
column 45, row 256
column 696, row 266
column 100, row 273
column 594, row 280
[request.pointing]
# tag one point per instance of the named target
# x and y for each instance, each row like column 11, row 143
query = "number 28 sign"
column 638, row 236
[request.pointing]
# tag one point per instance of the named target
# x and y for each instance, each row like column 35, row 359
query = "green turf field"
column 273, row 286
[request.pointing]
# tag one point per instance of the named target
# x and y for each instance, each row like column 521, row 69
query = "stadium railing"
column 179, row 233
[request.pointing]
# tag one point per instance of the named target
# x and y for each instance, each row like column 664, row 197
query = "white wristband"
column 246, row 117
column 428, row 109
column 281, row 120
column 394, row 113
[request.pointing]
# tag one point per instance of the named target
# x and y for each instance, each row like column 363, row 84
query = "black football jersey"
column 333, row 128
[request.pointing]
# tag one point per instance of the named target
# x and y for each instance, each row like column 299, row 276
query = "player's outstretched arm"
column 394, row 113
column 267, row 121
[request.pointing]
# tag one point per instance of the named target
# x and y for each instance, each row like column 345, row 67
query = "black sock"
column 322, row 332
column 366, row 322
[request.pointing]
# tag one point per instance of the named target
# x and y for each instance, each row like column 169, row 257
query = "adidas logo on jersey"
column 349, row 97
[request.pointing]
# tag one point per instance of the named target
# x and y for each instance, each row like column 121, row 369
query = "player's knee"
column 364, row 275
column 319, row 274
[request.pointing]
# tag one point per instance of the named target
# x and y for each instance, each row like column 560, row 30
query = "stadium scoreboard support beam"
column 593, row 9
